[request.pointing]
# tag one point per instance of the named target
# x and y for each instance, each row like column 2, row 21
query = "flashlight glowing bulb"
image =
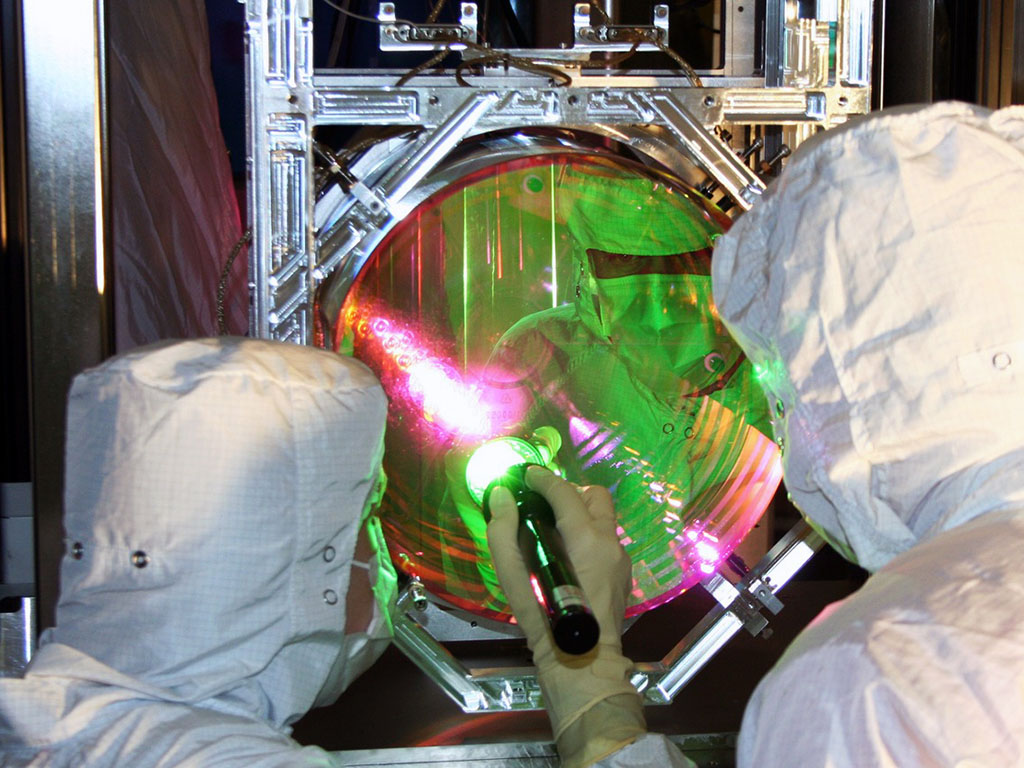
column 495, row 458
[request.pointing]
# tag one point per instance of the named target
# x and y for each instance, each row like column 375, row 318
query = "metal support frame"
column 505, row 689
column 706, row 749
column 813, row 73
column 819, row 76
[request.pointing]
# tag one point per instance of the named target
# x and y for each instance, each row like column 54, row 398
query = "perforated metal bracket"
column 588, row 38
column 616, row 37
column 398, row 35
column 745, row 600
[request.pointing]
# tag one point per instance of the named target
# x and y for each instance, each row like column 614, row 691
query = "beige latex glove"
column 594, row 709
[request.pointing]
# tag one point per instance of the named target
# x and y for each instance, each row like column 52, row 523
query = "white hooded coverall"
column 214, row 491
column 879, row 288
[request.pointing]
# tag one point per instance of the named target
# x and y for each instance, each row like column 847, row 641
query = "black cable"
column 595, row 6
column 536, row 66
column 361, row 17
column 337, row 40
column 490, row 57
column 430, row 63
column 225, row 273
column 435, row 12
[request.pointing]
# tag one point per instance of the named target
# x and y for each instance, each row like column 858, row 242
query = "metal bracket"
column 616, row 37
column 398, row 35
column 745, row 601
column 588, row 38
column 783, row 561
column 517, row 688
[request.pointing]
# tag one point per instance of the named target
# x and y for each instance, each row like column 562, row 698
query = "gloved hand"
column 468, row 509
column 594, row 709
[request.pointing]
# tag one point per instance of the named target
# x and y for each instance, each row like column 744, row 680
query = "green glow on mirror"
column 496, row 457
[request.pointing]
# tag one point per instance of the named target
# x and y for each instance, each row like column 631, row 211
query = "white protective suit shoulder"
column 877, row 287
column 213, row 496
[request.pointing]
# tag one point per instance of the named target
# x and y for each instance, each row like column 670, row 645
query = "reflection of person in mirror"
column 652, row 397
column 892, row 361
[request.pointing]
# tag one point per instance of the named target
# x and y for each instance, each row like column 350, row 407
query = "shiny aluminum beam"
column 516, row 689
column 69, row 289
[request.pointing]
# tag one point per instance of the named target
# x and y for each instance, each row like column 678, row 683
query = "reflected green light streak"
column 542, row 555
column 496, row 262
column 465, row 279
column 554, row 250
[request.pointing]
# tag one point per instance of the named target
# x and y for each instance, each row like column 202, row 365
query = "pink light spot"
column 706, row 551
column 581, row 429
column 447, row 400
column 537, row 591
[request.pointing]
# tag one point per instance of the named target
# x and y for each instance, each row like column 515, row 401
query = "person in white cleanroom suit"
column 214, row 494
column 877, row 287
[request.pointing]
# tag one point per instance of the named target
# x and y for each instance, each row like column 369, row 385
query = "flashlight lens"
column 494, row 458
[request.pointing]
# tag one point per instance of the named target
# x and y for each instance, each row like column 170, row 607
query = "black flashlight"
column 573, row 625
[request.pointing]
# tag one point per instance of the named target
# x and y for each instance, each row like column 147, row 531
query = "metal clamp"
column 398, row 35
column 744, row 600
column 617, row 37
column 374, row 201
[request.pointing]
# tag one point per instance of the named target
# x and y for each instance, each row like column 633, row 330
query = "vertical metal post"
column 279, row 93
column 69, row 296
column 1001, row 70
column 774, row 42
column 1017, row 55
column 908, row 74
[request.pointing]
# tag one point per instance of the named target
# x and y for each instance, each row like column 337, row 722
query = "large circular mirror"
column 562, row 296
